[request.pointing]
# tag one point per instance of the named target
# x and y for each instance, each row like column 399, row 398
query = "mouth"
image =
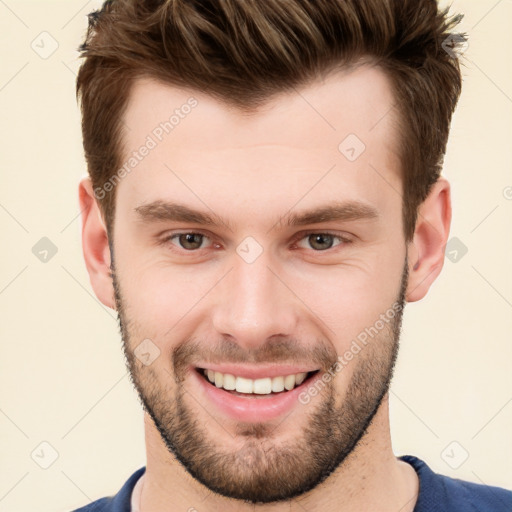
column 256, row 388
column 253, row 400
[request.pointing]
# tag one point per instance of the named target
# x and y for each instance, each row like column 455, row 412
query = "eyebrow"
column 337, row 211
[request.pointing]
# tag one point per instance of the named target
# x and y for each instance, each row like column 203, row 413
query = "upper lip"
column 257, row 372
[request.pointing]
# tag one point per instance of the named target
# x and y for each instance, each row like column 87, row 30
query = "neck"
column 370, row 478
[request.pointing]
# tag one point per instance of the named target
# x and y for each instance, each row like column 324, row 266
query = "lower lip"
column 254, row 407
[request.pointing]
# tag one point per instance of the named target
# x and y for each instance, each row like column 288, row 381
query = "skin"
column 334, row 453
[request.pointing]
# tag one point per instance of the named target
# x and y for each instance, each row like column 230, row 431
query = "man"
column 264, row 197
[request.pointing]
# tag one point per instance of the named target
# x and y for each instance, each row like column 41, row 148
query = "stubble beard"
column 259, row 469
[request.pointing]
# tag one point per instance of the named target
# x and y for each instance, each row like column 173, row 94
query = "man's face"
column 256, row 291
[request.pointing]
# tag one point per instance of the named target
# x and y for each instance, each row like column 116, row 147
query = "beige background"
column 63, row 379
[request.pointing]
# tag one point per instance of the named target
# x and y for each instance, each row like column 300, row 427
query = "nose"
column 254, row 303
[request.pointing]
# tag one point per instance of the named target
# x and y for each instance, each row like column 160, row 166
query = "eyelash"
column 344, row 241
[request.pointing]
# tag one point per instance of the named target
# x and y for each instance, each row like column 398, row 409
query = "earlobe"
column 426, row 250
column 95, row 245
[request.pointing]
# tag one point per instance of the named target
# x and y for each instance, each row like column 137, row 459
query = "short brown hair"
column 242, row 52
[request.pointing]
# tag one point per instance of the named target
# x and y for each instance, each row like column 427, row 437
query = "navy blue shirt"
column 438, row 493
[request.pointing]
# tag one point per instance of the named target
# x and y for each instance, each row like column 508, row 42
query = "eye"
column 322, row 241
column 189, row 241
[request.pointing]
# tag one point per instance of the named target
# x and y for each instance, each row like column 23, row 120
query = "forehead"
column 344, row 123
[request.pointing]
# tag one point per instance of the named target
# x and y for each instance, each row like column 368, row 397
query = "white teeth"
column 229, row 382
column 277, row 384
column 262, row 386
column 299, row 378
column 289, row 382
column 244, row 385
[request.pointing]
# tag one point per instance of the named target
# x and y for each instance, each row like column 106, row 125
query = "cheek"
column 352, row 298
column 345, row 311
column 160, row 296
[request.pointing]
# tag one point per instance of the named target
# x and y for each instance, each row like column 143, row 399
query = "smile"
column 260, row 400
column 261, row 386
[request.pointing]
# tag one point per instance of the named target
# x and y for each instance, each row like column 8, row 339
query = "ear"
column 426, row 250
column 95, row 246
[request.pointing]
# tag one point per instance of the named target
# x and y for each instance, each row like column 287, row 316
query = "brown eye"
column 186, row 241
column 190, row 241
